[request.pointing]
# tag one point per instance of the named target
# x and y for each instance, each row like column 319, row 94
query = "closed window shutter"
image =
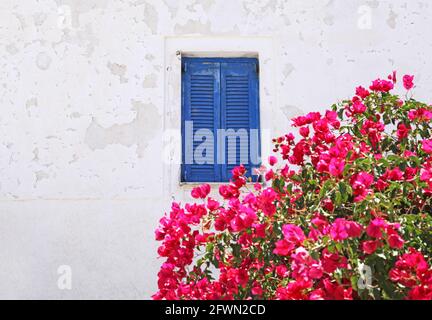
column 201, row 108
column 240, row 115
column 219, row 93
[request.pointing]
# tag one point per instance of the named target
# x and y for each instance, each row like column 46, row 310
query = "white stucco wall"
column 89, row 90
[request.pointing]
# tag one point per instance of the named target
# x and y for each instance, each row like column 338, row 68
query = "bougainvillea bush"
column 344, row 213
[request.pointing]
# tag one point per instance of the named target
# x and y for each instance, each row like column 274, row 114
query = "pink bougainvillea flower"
column 403, row 130
column 362, row 92
column 358, row 107
column 201, row 192
column 354, row 229
column 257, row 186
column 331, row 115
column 394, row 174
column 293, row 234
column 335, row 291
column 320, row 222
column 229, row 191
column 408, row 81
column 272, row 160
column 203, row 238
column 328, row 204
column 373, row 130
column 260, row 229
column 420, row 114
column 408, row 153
column 360, row 184
column 282, row 271
column 304, row 131
column 299, row 151
column 303, row 266
column 426, row 176
column 381, row 185
column 283, row 247
column 376, row 227
column 392, row 77
column 412, row 271
column 426, row 173
column 427, row 145
column 363, row 179
column 332, row 261
column 212, row 204
column 257, row 289
column 370, row 246
column 269, row 175
column 285, row 171
column 341, row 229
column 395, row 241
column 238, row 171
column 307, row 119
column 332, row 118
column 243, row 219
column 336, row 167
column 412, row 115
column 410, row 173
column 381, row 85
column 266, row 201
column 294, row 290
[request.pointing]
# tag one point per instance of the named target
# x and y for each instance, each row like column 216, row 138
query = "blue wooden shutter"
column 240, row 111
column 201, row 105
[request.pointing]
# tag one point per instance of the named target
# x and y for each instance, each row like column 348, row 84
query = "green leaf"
column 326, row 187
column 338, row 198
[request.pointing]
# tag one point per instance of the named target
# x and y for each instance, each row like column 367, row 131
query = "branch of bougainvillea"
column 299, row 238
column 299, row 210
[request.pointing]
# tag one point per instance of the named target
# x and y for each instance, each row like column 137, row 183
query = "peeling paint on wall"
column 39, row 176
column 12, row 49
column 291, row 111
column 35, row 154
column 43, row 61
column 149, row 57
column 150, row 81
column 31, row 103
column 288, row 69
column 374, row 3
column 151, row 18
column 78, row 7
column 39, row 18
column 391, row 20
column 193, row 27
column 329, row 20
column 137, row 132
column 118, row 70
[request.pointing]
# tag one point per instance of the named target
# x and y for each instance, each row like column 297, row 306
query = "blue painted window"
column 220, row 117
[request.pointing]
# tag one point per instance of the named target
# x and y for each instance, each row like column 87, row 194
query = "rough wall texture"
column 82, row 110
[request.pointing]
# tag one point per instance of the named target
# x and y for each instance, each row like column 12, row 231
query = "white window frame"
column 196, row 46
